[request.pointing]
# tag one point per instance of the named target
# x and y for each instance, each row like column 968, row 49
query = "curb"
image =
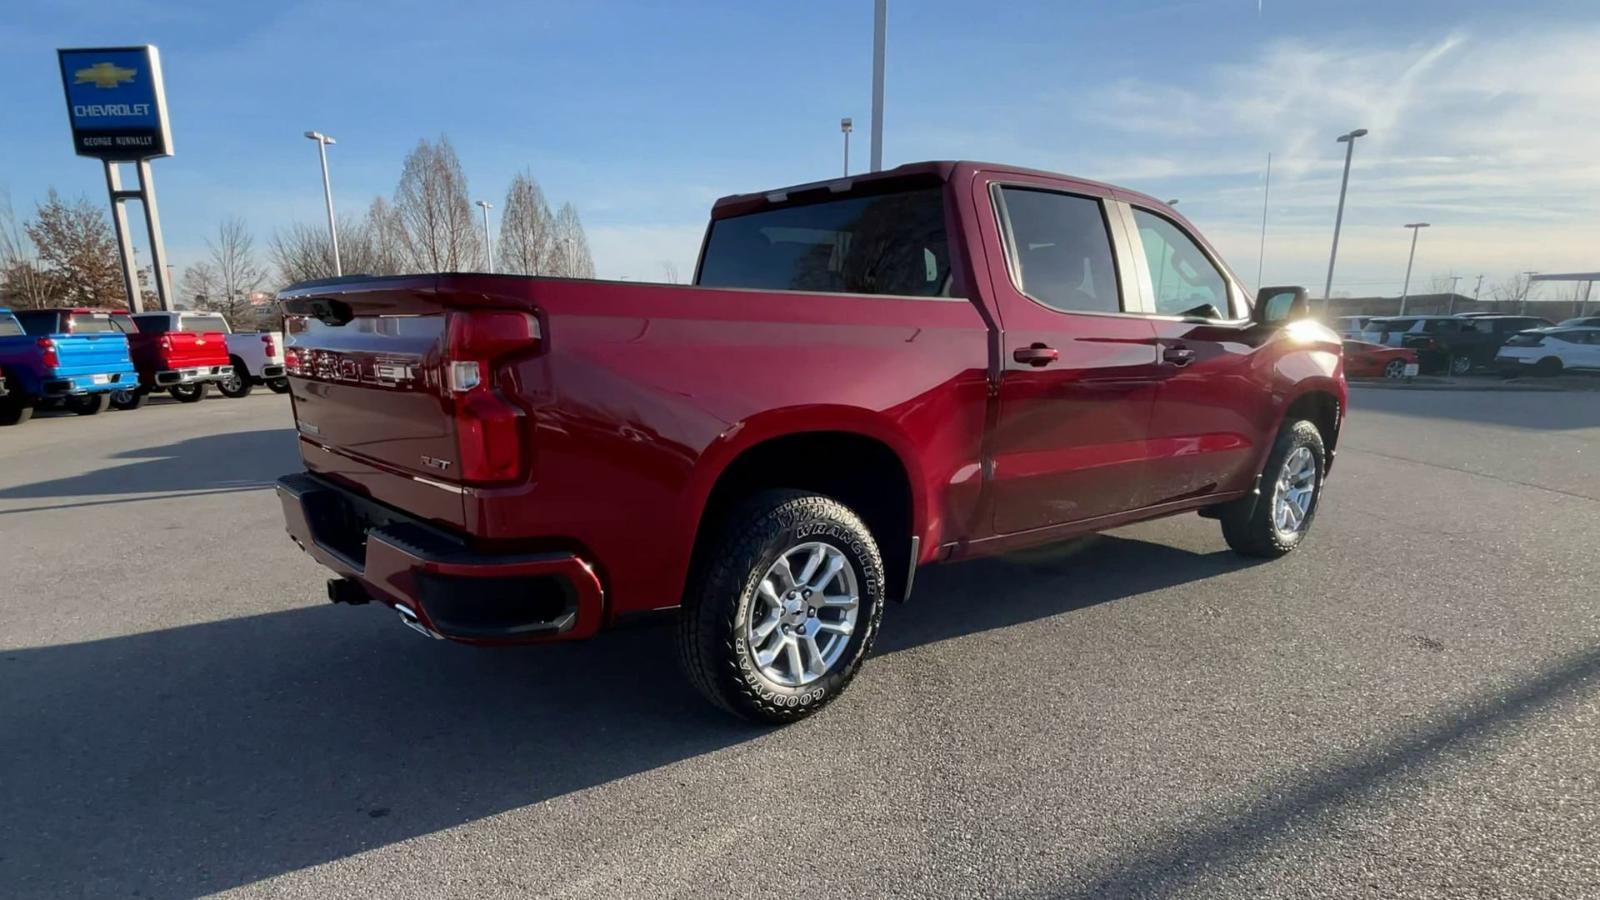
column 1445, row 386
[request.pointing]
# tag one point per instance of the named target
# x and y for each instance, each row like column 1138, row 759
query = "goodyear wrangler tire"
column 783, row 606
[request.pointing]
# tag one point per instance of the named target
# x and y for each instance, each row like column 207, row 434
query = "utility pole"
column 880, row 22
column 1453, row 280
column 1527, row 288
column 1261, row 255
column 1416, row 229
column 488, row 242
column 1348, row 139
column 1479, row 289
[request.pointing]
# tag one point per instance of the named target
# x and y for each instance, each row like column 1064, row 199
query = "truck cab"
column 74, row 357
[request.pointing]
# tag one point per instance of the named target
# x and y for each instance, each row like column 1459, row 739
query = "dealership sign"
column 115, row 103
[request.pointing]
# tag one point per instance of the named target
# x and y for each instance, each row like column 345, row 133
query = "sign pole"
column 119, row 222
column 158, row 247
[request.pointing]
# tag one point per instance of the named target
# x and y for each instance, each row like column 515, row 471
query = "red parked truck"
column 180, row 352
column 868, row 375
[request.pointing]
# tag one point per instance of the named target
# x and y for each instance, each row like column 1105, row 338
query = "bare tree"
column 198, row 285
column 436, row 226
column 1511, row 289
column 573, row 259
column 368, row 246
column 77, row 253
column 385, row 242
column 23, row 284
column 669, row 271
column 527, row 230
column 235, row 273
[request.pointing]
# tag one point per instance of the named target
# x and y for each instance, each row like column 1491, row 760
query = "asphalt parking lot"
column 1407, row 706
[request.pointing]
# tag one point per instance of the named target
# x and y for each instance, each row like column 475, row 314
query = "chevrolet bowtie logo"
column 103, row 75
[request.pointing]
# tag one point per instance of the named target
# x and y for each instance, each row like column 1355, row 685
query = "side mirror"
column 1278, row 305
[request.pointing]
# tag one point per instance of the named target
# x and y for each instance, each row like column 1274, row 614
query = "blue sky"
column 1485, row 120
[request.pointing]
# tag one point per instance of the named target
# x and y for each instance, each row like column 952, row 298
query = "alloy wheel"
column 1294, row 493
column 802, row 614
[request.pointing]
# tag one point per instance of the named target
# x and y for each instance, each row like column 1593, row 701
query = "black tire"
column 188, row 393
column 1460, row 364
column 15, row 409
column 133, row 398
column 89, row 404
column 713, row 646
column 239, row 384
column 279, row 385
column 1547, row 367
column 1247, row 526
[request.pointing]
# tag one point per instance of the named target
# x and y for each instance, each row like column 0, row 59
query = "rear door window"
column 892, row 243
column 1061, row 250
column 10, row 327
column 38, row 323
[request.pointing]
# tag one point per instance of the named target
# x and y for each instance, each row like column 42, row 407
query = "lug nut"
column 785, row 629
column 800, row 630
column 811, row 612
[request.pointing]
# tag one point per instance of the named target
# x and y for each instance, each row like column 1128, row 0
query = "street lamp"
column 880, row 24
column 1416, row 228
column 323, row 141
column 488, row 242
column 1349, row 141
column 1527, row 288
column 846, row 126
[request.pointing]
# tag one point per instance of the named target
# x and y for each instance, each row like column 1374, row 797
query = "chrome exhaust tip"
column 408, row 618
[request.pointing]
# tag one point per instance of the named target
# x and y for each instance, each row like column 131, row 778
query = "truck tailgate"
column 91, row 354
column 185, row 349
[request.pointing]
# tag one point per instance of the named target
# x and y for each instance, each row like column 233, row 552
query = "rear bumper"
column 192, row 375
column 89, row 384
column 272, row 371
column 433, row 578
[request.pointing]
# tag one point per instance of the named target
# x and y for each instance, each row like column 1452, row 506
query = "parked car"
column 1472, row 344
column 1350, row 326
column 176, row 351
column 257, row 359
column 1476, row 315
column 72, row 357
column 1390, row 330
column 1581, row 322
column 1364, row 360
column 512, row 459
column 1547, row 351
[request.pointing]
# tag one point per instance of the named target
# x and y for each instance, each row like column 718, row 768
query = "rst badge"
column 434, row 462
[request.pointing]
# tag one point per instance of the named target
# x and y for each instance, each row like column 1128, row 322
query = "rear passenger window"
column 1183, row 280
column 1062, row 250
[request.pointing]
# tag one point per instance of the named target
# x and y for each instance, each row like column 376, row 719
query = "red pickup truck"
column 868, row 374
column 179, row 352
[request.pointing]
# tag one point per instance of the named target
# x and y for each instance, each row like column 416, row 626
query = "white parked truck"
column 257, row 359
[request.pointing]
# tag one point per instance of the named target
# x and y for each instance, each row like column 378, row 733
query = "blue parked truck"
column 75, row 357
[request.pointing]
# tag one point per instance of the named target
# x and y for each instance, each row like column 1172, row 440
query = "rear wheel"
column 784, row 605
column 188, row 393
column 89, row 404
column 237, row 385
column 129, row 398
column 279, row 385
column 1460, row 364
column 1546, row 367
column 1396, row 368
column 15, row 409
column 1291, row 485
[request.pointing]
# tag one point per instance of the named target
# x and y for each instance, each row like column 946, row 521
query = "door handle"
column 1036, row 355
column 1178, row 356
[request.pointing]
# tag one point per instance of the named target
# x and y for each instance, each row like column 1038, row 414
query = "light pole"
column 846, row 126
column 1416, row 228
column 880, row 23
column 1527, row 288
column 323, row 141
column 488, row 242
column 1477, row 290
column 1454, row 279
column 1348, row 139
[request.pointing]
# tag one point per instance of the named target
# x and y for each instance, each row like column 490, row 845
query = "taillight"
column 489, row 432
column 166, row 342
column 47, row 352
column 291, row 360
column 272, row 348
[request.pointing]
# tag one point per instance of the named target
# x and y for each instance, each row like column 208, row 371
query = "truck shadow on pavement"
column 195, row 759
column 240, row 460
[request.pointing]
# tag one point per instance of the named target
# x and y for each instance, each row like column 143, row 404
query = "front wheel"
column 279, row 385
column 784, row 605
column 1291, row 485
column 1547, row 367
column 89, row 404
column 129, row 398
column 1460, row 364
column 1396, row 368
column 188, row 393
column 15, row 409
